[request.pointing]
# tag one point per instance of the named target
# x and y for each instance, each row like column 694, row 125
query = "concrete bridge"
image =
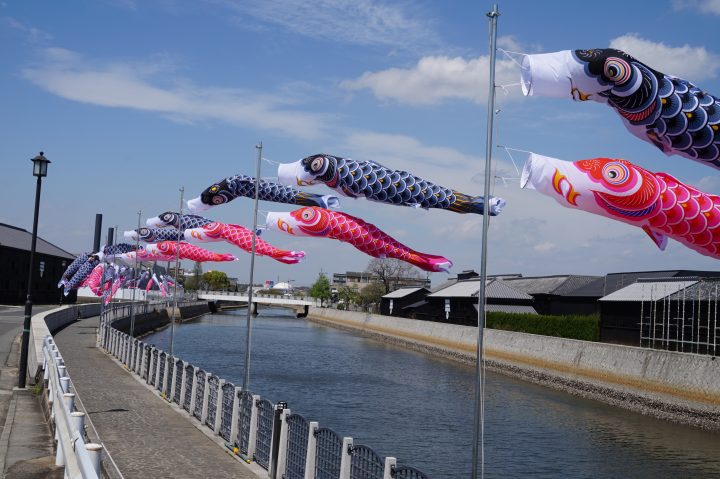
column 274, row 300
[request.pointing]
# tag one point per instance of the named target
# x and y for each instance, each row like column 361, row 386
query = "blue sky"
column 131, row 100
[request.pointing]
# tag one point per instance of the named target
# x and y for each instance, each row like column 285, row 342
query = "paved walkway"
column 145, row 436
column 26, row 444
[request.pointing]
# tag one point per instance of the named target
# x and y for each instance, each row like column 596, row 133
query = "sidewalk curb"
column 7, row 429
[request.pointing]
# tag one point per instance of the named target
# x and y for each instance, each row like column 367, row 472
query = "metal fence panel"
column 297, row 443
column 366, row 463
column 244, row 417
column 189, row 370
column 178, row 381
column 329, row 454
column 264, row 432
column 213, row 387
column 162, row 357
column 146, row 368
column 228, row 394
column 407, row 472
column 199, row 393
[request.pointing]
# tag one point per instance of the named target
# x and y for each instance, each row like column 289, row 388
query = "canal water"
column 420, row 409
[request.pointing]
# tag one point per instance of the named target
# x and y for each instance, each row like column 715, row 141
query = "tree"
column 371, row 294
column 348, row 295
column 216, row 280
column 320, row 288
column 389, row 270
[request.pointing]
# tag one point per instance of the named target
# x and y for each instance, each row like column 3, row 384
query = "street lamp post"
column 40, row 165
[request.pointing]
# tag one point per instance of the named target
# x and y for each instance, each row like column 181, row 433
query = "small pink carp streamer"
column 315, row 221
column 242, row 238
column 187, row 251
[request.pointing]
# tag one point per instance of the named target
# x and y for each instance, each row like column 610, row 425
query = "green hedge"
column 586, row 328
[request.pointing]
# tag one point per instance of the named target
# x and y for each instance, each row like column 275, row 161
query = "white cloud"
column 704, row 6
column 437, row 78
column 691, row 63
column 362, row 22
column 145, row 86
column 34, row 35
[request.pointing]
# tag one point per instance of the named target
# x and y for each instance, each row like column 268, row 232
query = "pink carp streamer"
column 656, row 202
column 242, row 238
column 187, row 251
column 315, row 221
column 94, row 278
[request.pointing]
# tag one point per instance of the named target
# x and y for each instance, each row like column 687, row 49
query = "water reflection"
column 419, row 409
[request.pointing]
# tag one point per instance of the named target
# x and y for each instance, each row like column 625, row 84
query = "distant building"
column 358, row 280
column 51, row 262
column 559, row 295
column 457, row 303
column 403, row 302
column 680, row 309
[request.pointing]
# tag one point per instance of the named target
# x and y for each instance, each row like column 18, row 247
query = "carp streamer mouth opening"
column 527, row 173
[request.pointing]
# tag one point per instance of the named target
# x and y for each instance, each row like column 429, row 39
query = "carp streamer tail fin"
column 291, row 257
column 323, row 201
column 476, row 204
column 429, row 262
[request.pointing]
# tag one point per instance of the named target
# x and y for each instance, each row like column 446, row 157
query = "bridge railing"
column 310, row 299
column 287, row 445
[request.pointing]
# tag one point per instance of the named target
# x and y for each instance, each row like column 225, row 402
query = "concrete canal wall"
column 677, row 386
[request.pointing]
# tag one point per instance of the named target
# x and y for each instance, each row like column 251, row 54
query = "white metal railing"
column 81, row 459
column 278, row 297
column 179, row 382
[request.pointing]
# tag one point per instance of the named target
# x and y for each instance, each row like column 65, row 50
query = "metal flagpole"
column 479, row 426
column 135, row 272
column 246, row 378
column 177, row 270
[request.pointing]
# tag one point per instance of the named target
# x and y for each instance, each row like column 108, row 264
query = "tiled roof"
column 496, row 289
column 18, row 238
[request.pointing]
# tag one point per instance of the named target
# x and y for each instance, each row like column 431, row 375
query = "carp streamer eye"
column 144, row 231
column 317, row 164
column 307, row 215
column 218, row 200
column 617, row 70
column 615, row 173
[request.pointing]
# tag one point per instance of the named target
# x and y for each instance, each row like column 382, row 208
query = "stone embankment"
column 680, row 387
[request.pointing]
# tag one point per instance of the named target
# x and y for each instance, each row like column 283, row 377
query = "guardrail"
column 81, row 458
column 315, row 302
column 285, row 444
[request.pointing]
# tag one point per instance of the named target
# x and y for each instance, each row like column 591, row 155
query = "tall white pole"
column 246, row 378
column 177, row 270
column 135, row 274
column 479, row 426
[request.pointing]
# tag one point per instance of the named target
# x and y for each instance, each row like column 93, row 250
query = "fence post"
column 278, row 456
column 182, row 385
column 151, row 372
column 157, row 370
column 252, row 439
column 164, row 386
column 311, row 451
column 218, row 407
column 346, row 460
column 389, row 466
column 95, row 452
column 205, row 399
column 193, row 391
column 78, row 421
column 235, row 413
column 69, row 401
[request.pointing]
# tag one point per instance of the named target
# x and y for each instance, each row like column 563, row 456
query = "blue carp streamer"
column 230, row 188
column 379, row 183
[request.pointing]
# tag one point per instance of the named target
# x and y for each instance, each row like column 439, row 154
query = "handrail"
column 72, row 450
